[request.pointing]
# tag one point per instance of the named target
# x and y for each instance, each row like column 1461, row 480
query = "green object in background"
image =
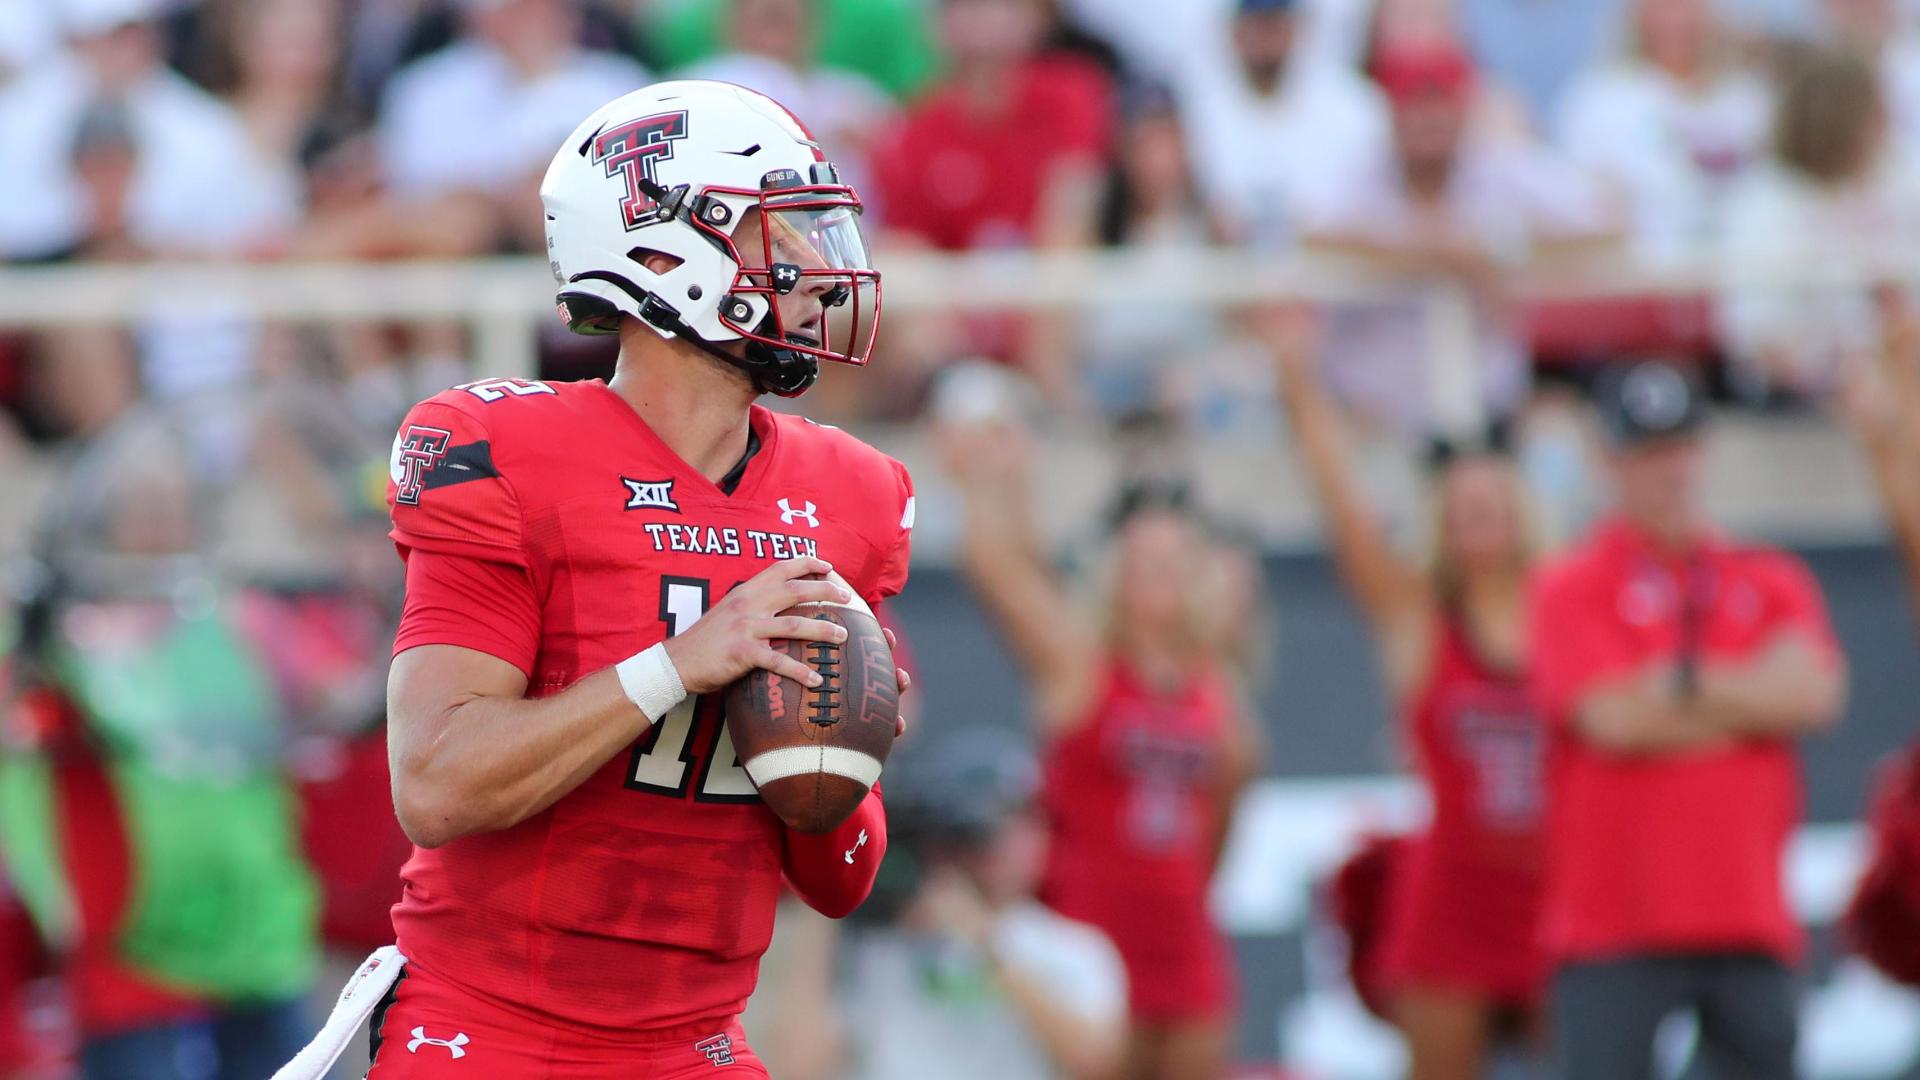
column 30, row 849
column 888, row 41
column 221, row 903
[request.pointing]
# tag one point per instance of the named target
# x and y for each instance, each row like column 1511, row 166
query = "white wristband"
column 651, row 682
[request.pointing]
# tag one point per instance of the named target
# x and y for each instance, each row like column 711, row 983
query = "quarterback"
column 588, row 565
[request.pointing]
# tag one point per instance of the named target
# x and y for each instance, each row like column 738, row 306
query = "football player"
column 588, row 565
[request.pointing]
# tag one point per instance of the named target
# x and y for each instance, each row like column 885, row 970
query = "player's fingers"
column 798, row 566
column 800, row 628
column 893, row 644
column 906, row 680
column 816, row 592
column 781, row 664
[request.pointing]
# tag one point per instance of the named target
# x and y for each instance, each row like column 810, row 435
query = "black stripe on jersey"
column 474, row 461
column 379, row 1019
column 731, row 481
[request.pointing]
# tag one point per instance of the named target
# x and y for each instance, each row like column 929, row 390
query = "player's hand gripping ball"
column 814, row 751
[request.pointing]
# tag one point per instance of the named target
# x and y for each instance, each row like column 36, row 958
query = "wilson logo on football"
column 417, row 451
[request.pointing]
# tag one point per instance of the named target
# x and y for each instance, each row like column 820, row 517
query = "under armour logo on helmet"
column 788, row 515
column 456, row 1045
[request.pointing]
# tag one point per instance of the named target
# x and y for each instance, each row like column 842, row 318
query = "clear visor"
column 819, row 278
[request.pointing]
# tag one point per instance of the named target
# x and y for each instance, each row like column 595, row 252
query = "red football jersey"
column 569, row 537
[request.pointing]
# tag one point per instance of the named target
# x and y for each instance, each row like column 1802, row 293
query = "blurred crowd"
column 227, row 741
column 1429, row 140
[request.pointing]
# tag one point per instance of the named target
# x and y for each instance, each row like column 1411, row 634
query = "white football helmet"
column 675, row 168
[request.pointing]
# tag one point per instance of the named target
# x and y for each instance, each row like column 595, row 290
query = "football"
column 814, row 752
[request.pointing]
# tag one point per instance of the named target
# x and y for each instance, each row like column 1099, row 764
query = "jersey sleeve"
column 1572, row 646
column 1796, row 605
column 477, row 604
column 445, row 491
column 896, row 547
column 834, row 871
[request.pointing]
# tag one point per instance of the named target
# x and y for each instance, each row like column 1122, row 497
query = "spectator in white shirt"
column 1671, row 125
column 772, row 50
column 1886, row 32
column 1456, row 204
column 196, row 189
column 1154, row 356
column 481, row 117
column 26, row 35
column 981, row 980
column 1264, row 130
column 1840, row 190
column 1156, row 48
column 279, row 64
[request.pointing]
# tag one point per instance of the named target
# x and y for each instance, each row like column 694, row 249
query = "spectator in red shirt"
column 1006, row 151
column 1676, row 668
column 993, row 153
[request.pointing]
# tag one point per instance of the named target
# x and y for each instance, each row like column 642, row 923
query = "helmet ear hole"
column 659, row 262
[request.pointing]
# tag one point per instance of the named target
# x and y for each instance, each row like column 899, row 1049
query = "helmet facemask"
column 805, row 289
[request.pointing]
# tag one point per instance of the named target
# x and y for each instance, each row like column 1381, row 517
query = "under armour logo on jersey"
column 415, row 453
column 788, row 515
column 857, row 845
column 455, row 1046
column 650, row 494
column 718, row 1049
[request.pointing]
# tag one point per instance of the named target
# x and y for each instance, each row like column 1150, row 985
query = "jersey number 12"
column 663, row 761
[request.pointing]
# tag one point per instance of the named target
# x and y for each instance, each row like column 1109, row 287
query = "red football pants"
column 431, row 1030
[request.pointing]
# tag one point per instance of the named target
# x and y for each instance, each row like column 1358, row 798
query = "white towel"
column 358, row 999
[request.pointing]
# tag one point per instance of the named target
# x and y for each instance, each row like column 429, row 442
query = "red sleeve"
column 445, row 491
column 487, row 606
column 834, row 871
column 1796, row 604
column 891, row 576
column 1572, row 641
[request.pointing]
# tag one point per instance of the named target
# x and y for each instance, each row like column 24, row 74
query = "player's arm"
column 1077, row 1014
column 1882, row 404
column 1586, row 676
column 1000, row 554
column 834, row 871
column 1245, row 755
column 1794, row 687
column 1643, row 714
column 470, row 753
column 1390, row 592
column 1081, row 1046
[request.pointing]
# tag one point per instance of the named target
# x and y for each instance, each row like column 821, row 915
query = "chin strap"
column 781, row 372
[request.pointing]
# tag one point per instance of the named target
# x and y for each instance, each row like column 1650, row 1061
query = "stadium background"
column 279, row 320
